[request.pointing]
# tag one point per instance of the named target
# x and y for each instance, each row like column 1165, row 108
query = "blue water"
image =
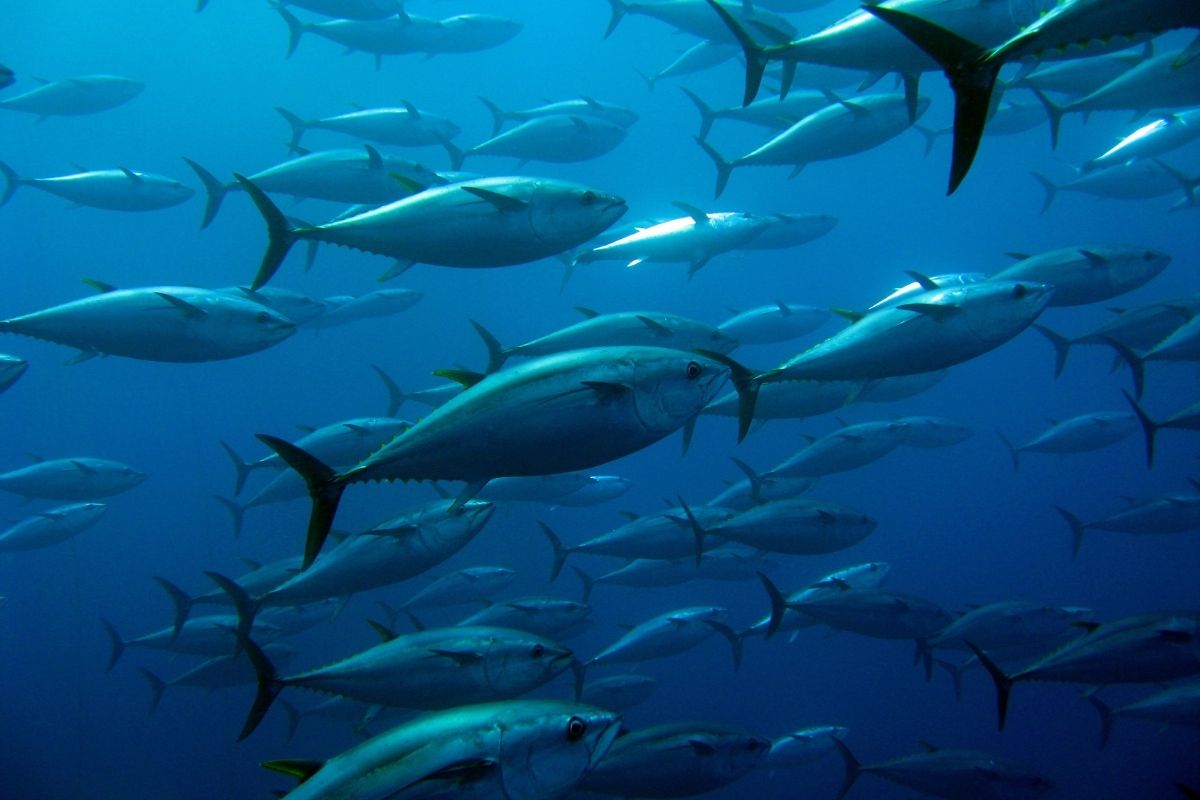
column 957, row 525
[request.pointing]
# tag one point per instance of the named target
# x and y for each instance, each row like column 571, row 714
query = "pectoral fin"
column 463, row 658
column 932, row 310
column 502, row 202
column 189, row 310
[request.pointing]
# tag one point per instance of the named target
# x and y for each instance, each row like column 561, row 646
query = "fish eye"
column 262, row 316
column 692, row 371
column 537, row 651
column 589, row 197
column 1149, row 255
column 1019, row 291
column 576, row 728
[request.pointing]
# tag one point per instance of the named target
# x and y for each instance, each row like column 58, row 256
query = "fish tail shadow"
column 560, row 552
column 778, row 604
column 12, row 182
column 296, row 29
column 214, row 191
column 1049, row 187
column 745, row 382
column 180, row 599
column 972, row 76
column 396, row 397
column 731, row 636
column 756, row 55
column 955, row 671
column 698, row 531
column 157, row 687
column 1137, row 365
column 1003, row 683
column 496, row 354
column 1013, row 452
column 298, row 126
column 497, row 113
column 118, row 644
column 588, row 582
column 724, row 167
column 618, row 9
column 1149, row 427
column 1077, row 529
column 236, row 511
column 706, row 112
column 280, row 234
column 1054, row 114
column 293, row 715
column 324, row 487
column 269, row 685
column 579, row 670
column 650, row 80
column 247, row 607
column 241, row 468
column 1061, row 345
column 853, row 767
column 924, row 655
column 1106, row 719
column 755, row 479
column 455, row 154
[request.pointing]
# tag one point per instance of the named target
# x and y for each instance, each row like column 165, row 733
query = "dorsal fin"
column 374, row 160
column 412, row 110
column 696, row 214
column 784, row 308
column 848, row 314
column 1018, row 256
column 133, row 176
column 587, row 312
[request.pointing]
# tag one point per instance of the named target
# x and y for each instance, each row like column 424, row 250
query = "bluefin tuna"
column 157, row 323
column 112, row 189
column 85, row 94
column 677, row 759
column 73, row 479
column 517, row 748
column 489, row 222
column 593, row 405
column 50, row 527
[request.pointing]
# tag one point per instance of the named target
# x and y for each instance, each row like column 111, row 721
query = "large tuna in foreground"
column 157, row 323
column 488, row 222
column 559, row 413
column 519, row 749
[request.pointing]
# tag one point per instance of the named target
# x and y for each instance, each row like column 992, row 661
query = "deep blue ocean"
column 956, row 524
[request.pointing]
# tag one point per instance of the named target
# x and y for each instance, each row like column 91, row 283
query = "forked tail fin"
column 324, row 488
column 972, row 77
column 280, row 234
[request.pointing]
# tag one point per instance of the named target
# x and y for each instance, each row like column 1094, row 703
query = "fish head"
column 545, row 753
column 176, row 192
column 999, row 310
column 671, row 387
column 268, row 325
column 517, row 662
column 568, row 213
